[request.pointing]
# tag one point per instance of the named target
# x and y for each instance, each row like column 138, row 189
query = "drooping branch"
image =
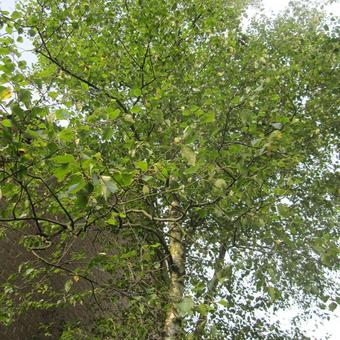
column 159, row 219
column 211, row 289
column 74, row 273
column 55, row 197
column 34, row 219
column 37, row 222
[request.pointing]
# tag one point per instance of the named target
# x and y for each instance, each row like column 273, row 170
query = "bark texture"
column 173, row 321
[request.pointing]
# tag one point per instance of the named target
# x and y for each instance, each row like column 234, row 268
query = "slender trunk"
column 211, row 290
column 173, row 321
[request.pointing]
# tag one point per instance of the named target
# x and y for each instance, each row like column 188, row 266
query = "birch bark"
column 173, row 321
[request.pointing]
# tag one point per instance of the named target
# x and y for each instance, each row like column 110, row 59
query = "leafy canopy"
column 133, row 105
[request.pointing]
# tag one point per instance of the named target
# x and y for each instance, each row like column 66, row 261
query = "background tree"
column 202, row 157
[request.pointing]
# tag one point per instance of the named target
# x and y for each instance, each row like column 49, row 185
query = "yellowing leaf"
column 220, row 183
column 68, row 285
column 22, row 151
column 5, row 93
column 146, row 190
column 276, row 134
column 189, row 155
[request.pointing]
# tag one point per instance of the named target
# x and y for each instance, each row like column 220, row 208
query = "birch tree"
column 201, row 154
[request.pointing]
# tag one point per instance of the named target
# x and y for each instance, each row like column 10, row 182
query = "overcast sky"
column 271, row 8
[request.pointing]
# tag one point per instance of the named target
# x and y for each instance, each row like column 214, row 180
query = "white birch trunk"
column 173, row 321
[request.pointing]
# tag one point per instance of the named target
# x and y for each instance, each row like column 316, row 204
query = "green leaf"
column 53, row 94
column 82, row 199
column 6, row 123
column 136, row 92
column 224, row 302
column 61, row 172
column 235, row 148
column 129, row 254
column 112, row 221
column 63, row 159
column 332, row 306
column 75, row 184
column 25, row 97
column 108, row 186
column 273, row 293
column 124, row 179
column 107, row 133
column 113, row 114
column 203, row 309
column 284, row 210
column 208, row 117
column 186, row 306
column 128, row 118
column 136, row 109
column 84, row 86
column 66, row 135
column 142, row 165
column 235, row 101
column 62, row 114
